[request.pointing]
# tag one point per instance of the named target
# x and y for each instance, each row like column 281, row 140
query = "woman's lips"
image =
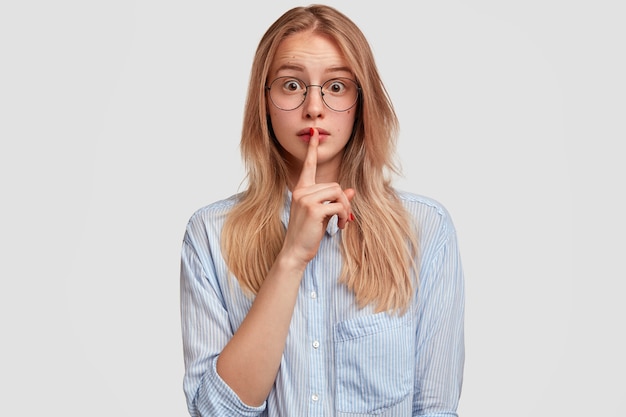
column 306, row 137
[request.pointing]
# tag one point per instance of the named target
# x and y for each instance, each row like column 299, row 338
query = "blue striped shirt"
column 339, row 360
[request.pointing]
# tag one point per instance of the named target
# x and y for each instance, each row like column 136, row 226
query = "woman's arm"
column 249, row 362
column 206, row 327
column 440, row 334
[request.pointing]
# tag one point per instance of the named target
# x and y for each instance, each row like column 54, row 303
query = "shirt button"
column 316, row 344
column 313, row 295
column 315, row 397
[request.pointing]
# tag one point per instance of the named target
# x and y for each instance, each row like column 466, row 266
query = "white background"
column 118, row 119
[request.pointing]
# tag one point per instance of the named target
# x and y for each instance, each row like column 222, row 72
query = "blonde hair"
column 379, row 248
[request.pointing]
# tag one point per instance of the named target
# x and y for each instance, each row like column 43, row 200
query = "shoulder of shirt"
column 215, row 210
column 433, row 221
column 409, row 199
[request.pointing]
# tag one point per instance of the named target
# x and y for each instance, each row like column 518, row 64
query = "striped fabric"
column 339, row 360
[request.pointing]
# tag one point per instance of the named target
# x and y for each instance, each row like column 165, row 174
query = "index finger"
column 309, row 166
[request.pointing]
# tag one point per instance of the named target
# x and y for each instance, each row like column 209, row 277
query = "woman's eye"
column 292, row 86
column 336, row 87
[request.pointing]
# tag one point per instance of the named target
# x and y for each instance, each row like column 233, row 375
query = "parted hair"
column 380, row 247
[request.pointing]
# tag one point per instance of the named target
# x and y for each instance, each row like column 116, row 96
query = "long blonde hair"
column 379, row 248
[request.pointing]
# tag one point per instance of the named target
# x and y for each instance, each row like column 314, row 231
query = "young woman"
column 320, row 290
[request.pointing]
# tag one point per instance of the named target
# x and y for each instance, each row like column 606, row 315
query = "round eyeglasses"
column 338, row 94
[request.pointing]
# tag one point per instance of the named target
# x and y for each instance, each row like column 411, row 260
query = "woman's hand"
column 312, row 206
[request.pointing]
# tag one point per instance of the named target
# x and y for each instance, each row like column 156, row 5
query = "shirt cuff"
column 229, row 399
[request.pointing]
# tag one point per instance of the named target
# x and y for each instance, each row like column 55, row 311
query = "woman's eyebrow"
column 338, row 69
column 292, row 67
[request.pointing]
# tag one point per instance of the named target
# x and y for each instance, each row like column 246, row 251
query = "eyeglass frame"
column 306, row 91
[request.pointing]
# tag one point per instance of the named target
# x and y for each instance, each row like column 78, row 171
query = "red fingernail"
column 311, row 131
column 351, row 217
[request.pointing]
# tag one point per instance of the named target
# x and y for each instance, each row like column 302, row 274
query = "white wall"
column 118, row 119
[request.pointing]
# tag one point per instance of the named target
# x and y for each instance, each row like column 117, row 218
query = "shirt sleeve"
column 440, row 351
column 206, row 330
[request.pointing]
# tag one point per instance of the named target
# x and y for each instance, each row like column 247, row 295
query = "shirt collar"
column 331, row 228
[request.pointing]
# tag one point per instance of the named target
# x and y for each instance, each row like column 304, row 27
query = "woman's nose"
column 313, row 103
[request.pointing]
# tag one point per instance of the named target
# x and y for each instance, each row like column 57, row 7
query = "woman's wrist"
column 288, row 261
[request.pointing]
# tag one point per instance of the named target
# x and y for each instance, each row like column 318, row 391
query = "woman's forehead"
column 309, row 51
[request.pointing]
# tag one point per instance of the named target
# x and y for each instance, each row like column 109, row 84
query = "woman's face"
column 314, row 59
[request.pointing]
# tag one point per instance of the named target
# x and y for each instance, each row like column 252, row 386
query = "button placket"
column 316, row 298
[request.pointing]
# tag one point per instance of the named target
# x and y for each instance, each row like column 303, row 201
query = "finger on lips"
column 309, row 171
column 309, row 167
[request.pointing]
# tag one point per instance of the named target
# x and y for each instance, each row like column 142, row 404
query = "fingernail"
column 351, row 217
column 311, row 131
